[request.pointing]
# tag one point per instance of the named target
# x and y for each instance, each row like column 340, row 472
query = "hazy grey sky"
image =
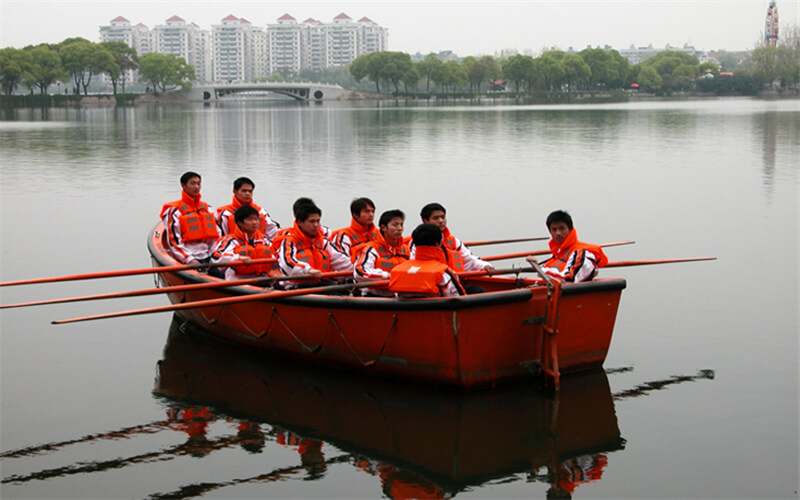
column 466, row 27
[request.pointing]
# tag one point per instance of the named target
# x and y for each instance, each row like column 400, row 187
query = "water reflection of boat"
column 517, row 328
column 407, row 436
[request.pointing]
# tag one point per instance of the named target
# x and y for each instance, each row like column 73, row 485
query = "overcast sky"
column 465, row 27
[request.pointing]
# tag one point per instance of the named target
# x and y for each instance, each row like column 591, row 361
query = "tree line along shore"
column 68, row 72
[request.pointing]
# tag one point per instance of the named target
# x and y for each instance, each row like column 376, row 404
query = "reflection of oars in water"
column 124, row 433
column 193, row 490
column 657, row 385
column 156, row 456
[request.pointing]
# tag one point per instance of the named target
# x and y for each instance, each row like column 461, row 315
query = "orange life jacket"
column 359, row 237
column 388, row 257
column 454, row 258
column 571, row 244
column 262, row 221
column 308, row 250
column 417, row 276
column 196, row 222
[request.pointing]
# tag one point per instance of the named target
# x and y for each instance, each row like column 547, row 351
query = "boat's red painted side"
column 462, row 342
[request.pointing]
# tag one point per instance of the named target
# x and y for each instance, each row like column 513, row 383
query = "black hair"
column 307, row 210
column 243, row 212
column 299, row 202
column 187, row 176
column 241, row 181
column 426, row 235
column 359, row 204
column 428, row 209
column 559, row 216
column 387, row 216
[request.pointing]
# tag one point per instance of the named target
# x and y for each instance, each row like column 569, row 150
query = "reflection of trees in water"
column 767, row 126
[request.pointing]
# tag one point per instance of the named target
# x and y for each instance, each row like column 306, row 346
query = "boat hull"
column 463, row 342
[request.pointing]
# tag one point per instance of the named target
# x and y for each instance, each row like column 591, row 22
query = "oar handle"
column 499, row 242
column 229, row 300
column 131, row 272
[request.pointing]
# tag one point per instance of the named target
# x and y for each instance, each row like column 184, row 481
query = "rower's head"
column 191, row 183
column 559, row 224
column 299, row 202
column 246, row 217
column 391, row 225
column 434, row 213
column 308, row 219
column 243, row 190
column 363, row 211
column 427, row 235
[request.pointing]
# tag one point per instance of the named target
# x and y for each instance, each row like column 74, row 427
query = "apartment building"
column 237, row 51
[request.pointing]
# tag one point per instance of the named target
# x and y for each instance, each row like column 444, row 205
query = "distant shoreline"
column 542, row 97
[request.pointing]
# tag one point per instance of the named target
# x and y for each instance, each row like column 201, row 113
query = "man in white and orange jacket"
column 304, row 250
column 428, row 273
column 189, row 223
column 245, row 243
column 378, row 257
column 351, row 239
column 459, row 257
column 243, row 189
column 572, row 261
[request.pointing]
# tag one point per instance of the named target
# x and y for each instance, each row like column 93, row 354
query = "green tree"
column 16, row 66
column 411, row 78
column 648, row 78
column 427, row 67
column 166, row 71
column 125, row 59
column 396, row 65
column 706, row 68
column 549, row 70
column 683, row 76
column 47, row 68
column 474, row 72
column 576, row 72
column 82, row 60
column 519, row 69
column 604, row 67
column 491, row 69
column 450, row 74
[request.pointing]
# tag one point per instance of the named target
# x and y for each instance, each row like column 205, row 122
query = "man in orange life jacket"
column 460, row 258
column 189, row 223
column 427, row 274
column 378, row 257
column 351, row 239
column 243, row 195
column 304, row 250
column 572, row 260
column 325, row 231
column 245, row 244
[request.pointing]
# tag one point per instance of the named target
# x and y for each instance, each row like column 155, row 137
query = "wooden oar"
column 498, row 242
column 229, row 300
column 178, row 288
column 626, row 263
column 260, row 296
column 546, row 252
column 131, row 272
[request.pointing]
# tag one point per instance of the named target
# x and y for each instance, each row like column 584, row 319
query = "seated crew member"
column 351, row 239
column 189, row 223
column 378, row 257
column 572, row 260
column 283, row 232
column 427, row 274
column 304, row 250
column 460, row 258
column 243, row 195
column 245, row 243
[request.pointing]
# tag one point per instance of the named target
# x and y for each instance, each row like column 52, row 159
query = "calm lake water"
column 699, row 398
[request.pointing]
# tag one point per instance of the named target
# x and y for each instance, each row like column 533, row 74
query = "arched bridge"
column 302, row 91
